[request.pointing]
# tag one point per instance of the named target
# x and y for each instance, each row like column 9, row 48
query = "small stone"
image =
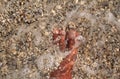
column 1, row 64
column 118, row 20
column 59, row 7
column 117, row 49
column 46, row 33
column 82, row 2
column 14, row 52
column 76, row 1
column 53, row 11
column 71, row 25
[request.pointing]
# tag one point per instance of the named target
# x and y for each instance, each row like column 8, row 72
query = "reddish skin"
column 71, row 35
column 62, row 44
column 64, row 39
column 67, row 40
column 64, row 71
column 56, row 33
column 59, row 37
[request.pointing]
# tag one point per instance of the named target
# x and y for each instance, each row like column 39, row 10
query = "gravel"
column 26, row 49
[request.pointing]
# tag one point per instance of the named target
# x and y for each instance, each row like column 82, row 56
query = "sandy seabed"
column 26, row 49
